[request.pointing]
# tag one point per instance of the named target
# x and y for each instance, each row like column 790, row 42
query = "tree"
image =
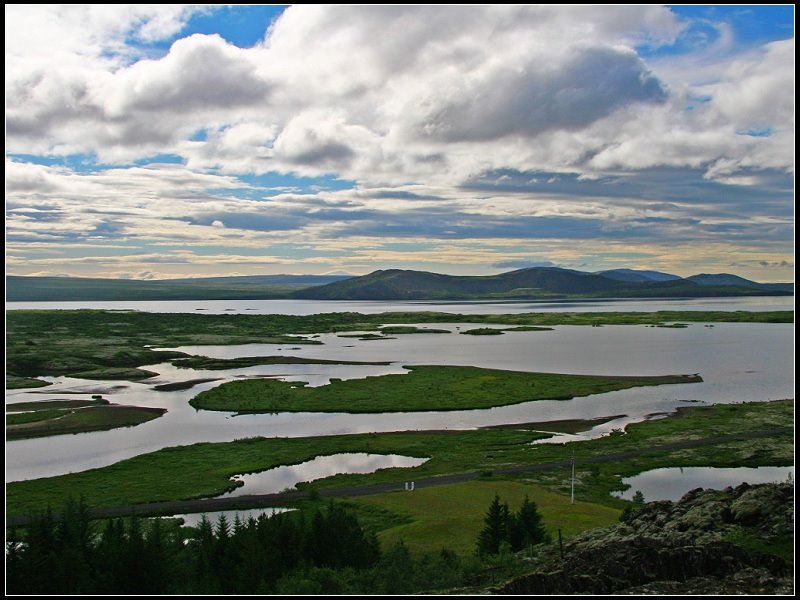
column 495, row 530
column 638, row 497
column 528, row 528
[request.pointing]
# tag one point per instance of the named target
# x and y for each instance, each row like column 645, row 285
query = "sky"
column 153, row 142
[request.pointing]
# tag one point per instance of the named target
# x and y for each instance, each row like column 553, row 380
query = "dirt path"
column 281, row 498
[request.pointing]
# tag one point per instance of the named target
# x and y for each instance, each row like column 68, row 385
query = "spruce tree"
column 529, row 526
column 495, row 530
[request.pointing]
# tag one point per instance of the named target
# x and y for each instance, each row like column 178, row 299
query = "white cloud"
column 440, row 74
column 414, row 103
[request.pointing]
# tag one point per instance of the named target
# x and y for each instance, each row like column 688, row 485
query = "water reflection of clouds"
column 193, row 519
column 281, row 478
column 673, row 482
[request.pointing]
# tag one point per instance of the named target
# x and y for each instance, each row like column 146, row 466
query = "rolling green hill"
column 533, row 283
column 39, row 289
column 540, row 283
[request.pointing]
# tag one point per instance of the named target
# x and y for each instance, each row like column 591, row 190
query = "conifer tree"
column 495, row 530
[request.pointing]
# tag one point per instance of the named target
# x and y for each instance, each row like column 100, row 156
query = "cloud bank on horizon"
column 167, row 141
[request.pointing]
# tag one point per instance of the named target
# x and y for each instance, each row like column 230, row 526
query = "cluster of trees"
column 519, row 530
column 302, row 552
column 313, row 551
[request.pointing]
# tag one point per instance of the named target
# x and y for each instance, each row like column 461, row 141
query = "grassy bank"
column 424, row 388
column 18, row 383
column 77, row 342
column 46, row 422
column 54, row 404
column 205, row 469
column 204, row 362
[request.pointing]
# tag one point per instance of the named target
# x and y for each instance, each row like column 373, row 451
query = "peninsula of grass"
column 18, row 383
column 77, row 342
column 204, row 362
column 483, row 331
column 121, row 373
column 406, row 329
column 54, row 405
column 176, row 386
column 559, row 426
column 424, row 388
column 205, row 469
column 31, row 417
column 80, row 420
column 495, row 331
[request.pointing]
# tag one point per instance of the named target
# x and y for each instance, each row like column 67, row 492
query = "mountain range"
column 537, row 283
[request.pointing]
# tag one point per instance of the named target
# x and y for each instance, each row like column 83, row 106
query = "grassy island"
column 424, row 388
column 57, row 417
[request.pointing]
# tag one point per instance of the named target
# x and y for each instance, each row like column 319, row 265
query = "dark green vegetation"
column 183, row 385
column 483, row 331
column 15, row 383
column 424, row 388
column 533, row 283
column 75, row 342
column 32, row 417
column 519, row 530
column 204, row 362
column 54, row 404
column 366, row 337
column 122, row 373
column 403, row 329
column 495, row 331
column 74, row 416
column 283, row 554
column 203, row 470
column 65, row 289
column 560, row 426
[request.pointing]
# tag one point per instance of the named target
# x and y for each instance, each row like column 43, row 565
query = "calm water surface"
column 281, row 478
column 673, row 482
column 193, row 519
column 311, row 307
column 738, row 362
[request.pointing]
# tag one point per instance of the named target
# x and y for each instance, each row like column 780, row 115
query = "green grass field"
column 424, row 388
column 452, row 515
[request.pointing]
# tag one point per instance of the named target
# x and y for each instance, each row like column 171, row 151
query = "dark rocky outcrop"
column 685, row 547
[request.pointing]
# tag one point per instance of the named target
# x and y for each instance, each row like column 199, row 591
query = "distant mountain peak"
column 634, row 275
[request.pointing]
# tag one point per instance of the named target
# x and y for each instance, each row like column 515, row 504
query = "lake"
column 286, row 477
column 738, row 362
column 312, row 307
column 673, row 482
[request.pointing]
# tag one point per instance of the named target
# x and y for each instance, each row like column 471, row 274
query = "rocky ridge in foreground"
column 710, row 542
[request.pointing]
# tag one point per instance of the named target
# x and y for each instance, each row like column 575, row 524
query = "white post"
column 572, row 493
